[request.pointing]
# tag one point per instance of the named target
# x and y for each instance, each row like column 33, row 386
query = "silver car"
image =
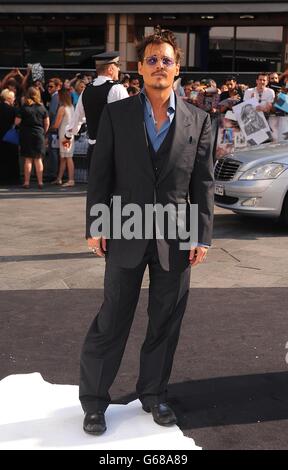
column 254, row 181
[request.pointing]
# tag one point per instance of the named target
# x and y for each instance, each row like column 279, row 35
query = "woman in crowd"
column 9, row 152
column 79, row 87
column 34, row 122
column 63, row 118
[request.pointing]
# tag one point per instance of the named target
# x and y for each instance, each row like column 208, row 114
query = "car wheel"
column 284, row 212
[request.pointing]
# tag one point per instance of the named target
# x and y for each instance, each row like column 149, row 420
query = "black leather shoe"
column 94, row 423
column 162, row 413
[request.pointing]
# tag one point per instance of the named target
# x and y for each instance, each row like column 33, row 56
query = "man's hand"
column 97, row 245
column 197, row 255
column 66, row 143
column 265, row 108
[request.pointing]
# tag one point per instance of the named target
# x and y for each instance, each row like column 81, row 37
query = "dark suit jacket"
column 121, row 165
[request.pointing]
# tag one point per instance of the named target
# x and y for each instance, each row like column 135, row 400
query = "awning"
column 144, row 6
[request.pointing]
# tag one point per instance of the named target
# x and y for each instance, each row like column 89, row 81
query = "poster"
column 230, row 137
column 252, row 123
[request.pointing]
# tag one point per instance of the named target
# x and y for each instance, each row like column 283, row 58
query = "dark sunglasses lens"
column 167, row 61
column 151, row 60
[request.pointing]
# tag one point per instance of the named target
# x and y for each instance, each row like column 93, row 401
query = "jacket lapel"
column 183, row 130
column 139, row 136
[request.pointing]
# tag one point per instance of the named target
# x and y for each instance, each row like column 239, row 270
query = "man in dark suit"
column 151, row 148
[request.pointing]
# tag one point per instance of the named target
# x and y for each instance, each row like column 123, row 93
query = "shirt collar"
column 102, row 79
column 172, row 101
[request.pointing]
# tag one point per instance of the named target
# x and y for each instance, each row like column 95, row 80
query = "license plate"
column 219, row 189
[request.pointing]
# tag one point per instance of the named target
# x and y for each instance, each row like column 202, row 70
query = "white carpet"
column 35, row 414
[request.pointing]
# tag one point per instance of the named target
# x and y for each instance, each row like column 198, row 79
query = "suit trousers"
column 106, row 339
column 89, row 155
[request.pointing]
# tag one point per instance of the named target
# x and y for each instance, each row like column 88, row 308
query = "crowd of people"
column 207, row 95
column 42, row 111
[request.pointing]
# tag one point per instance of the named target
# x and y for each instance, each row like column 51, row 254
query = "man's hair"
column 262, row 73
column 230, row 78
column 273, row 73
column 57, row 82
column 159, row 36
column 102, row 68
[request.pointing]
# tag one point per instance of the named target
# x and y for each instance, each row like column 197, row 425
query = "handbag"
column 11, row 136
column 54, row 141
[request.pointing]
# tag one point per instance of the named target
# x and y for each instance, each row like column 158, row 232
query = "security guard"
column 104, row 89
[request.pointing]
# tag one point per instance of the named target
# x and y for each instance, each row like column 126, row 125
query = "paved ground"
column 229, row 382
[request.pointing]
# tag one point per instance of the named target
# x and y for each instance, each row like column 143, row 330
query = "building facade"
column 215, row 35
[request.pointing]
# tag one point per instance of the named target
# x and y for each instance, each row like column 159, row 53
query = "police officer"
column 104, row 89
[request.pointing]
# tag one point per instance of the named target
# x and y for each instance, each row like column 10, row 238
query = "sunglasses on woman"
column 153, row 60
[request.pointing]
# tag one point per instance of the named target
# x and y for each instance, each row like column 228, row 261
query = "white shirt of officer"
column 117, row 92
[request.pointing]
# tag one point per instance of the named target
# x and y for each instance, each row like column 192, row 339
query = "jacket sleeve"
column 201, row 189
column 101, row 174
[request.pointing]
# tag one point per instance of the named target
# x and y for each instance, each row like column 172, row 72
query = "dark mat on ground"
column 229, row 384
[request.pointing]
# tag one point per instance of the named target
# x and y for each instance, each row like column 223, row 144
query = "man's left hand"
column 197, row 255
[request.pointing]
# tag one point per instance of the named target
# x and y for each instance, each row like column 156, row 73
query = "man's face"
column 273, row 78
column 115, row 70
column 156, row 74
column 195, row 85
column 51, row 88
column 231, row 85
column 187, row 90
column 135, row 82
column 81, row 87
column 261, row 81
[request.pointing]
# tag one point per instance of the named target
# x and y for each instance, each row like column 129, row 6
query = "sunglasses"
column 51, row 86
column 153, row 60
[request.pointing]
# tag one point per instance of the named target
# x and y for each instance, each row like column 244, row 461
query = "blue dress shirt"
column 157, row 136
